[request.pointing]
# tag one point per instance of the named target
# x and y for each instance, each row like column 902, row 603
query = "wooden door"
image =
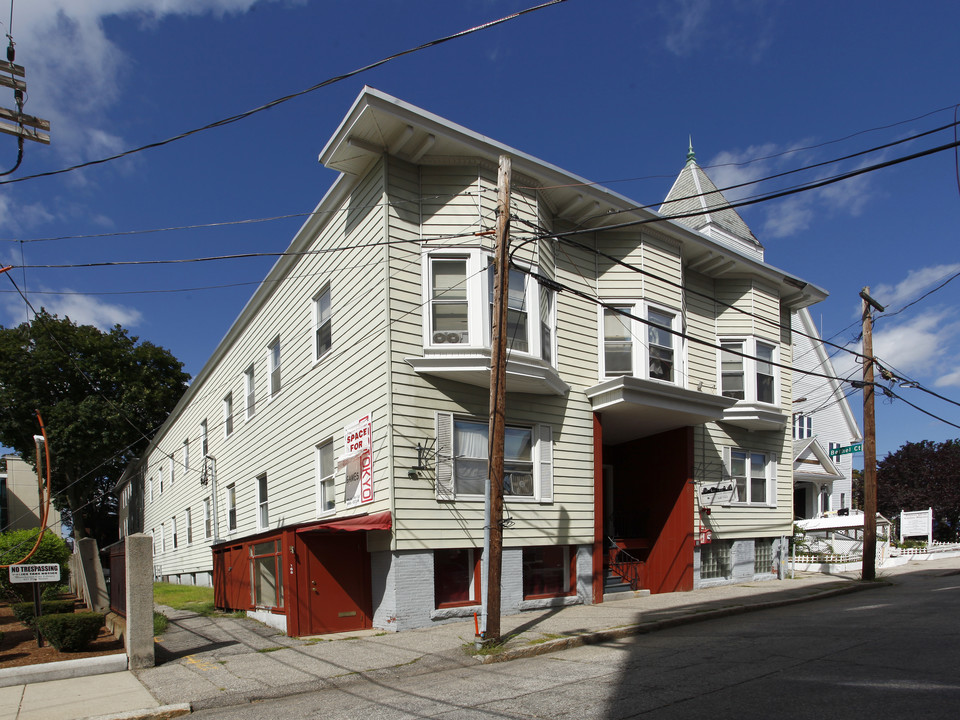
column 335, row 584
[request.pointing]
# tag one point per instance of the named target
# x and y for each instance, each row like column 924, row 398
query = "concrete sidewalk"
column 217, row 662
column 222, row 661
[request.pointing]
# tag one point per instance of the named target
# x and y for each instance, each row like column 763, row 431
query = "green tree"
column 923, row 475
column 101, row 394
column 14, row 545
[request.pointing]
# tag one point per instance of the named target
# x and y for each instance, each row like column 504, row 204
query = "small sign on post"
column 855, row 448
column 35, row 573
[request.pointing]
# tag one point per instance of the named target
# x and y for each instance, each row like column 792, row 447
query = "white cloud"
column 687, row 18
column 919, row 347
column 75, row 71
column 792, row 214
column 914, row 284
column 81, row 309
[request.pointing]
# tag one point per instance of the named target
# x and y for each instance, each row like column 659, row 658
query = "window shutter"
column 545, row 462
column 727, row 472
column 444, row 483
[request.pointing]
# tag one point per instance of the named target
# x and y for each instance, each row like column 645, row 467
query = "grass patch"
column 269, row 649
column 488, row 648
column 160, row 623
column 185, row 597
column 546, row 637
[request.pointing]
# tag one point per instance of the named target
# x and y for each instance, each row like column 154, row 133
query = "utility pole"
column 869, row 571
column 493, row 548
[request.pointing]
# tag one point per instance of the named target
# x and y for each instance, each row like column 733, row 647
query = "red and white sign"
column 358, row 441
column 706, row 536
column 44, row 572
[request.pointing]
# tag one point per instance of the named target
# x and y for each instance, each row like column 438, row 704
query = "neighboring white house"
column 822, row 423
column 325, row 468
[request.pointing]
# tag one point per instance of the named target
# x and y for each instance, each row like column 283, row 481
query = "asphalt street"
column 893, row 652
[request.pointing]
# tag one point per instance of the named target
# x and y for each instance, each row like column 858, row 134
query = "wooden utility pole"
column 869, row 570
column 498, row 398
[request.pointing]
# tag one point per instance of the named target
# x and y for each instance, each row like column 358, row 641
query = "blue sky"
column 607, row 89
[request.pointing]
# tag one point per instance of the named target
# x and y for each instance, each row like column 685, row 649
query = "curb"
column 63, row 670
column 600, row 636
column 164, row 712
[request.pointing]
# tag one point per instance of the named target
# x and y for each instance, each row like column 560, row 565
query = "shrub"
column 71, row 632
column 17, row 543
column 25, row 610
column 54, row 592
column 160, row 622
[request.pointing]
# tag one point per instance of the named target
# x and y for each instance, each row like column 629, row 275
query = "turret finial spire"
column 691, row 156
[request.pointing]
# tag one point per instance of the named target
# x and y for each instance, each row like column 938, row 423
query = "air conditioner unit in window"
column 453, row 337
column 439, row 337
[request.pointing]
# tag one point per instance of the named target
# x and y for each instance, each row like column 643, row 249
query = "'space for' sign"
column 359, row 462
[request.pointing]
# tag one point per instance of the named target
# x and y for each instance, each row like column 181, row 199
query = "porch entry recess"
column 648, row 509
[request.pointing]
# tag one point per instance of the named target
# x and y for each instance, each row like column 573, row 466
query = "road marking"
column 952, row 587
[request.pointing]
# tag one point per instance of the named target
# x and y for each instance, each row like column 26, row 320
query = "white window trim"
column 320, row 478
column 231, row 503
column 478, row 303
column 249, row 393
column 173, row 532
column 163, row 538
column 274, row 368
column 188, row 526
column 186, row 455
column 204, row 438
column 207, row 518
column 639, row 335
column 263, row 501
column 315, row 309
column 541, row 454
column 750, row 368
column 227, row 415
column 770, row 472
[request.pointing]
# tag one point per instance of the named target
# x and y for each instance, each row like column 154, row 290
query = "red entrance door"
column 335, row 587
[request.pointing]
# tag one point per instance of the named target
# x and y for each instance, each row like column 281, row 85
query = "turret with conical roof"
column 706, row 209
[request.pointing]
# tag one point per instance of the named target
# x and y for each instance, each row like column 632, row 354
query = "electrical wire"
column 760, row 158
column 890, row 393
column 240, row 256
column 285, row 98
column 764, row 197
column 922, row 297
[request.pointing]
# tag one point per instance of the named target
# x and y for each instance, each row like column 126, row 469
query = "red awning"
column 378, row 521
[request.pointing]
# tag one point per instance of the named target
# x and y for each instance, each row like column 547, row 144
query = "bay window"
column 459, row 295
column 748, row 371
column 648, row 348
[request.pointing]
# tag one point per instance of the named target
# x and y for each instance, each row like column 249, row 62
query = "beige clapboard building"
column 325, row 470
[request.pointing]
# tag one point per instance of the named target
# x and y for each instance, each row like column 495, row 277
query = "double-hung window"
column 263, row 514
column 231, row 507
column 752, row 475
column 449, row 307
column 459, row 288
column 803, row 427
column 186, row 455
column 207, row 519
column 641, row 340
column 250, row 392
column 228, row 415
column 322, row 324
column 173, row 530
column 462, row 466
column 273, row 363
column 325, row 476
column 204, row 438
column 188, row 525
column 748, row 370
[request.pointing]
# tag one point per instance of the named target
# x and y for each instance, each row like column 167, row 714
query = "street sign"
column 856, row 447
column 40, row 572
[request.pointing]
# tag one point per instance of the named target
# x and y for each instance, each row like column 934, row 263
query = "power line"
column 922, row 297
column 763, row 197
column 890, row 393
column 285, row 98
